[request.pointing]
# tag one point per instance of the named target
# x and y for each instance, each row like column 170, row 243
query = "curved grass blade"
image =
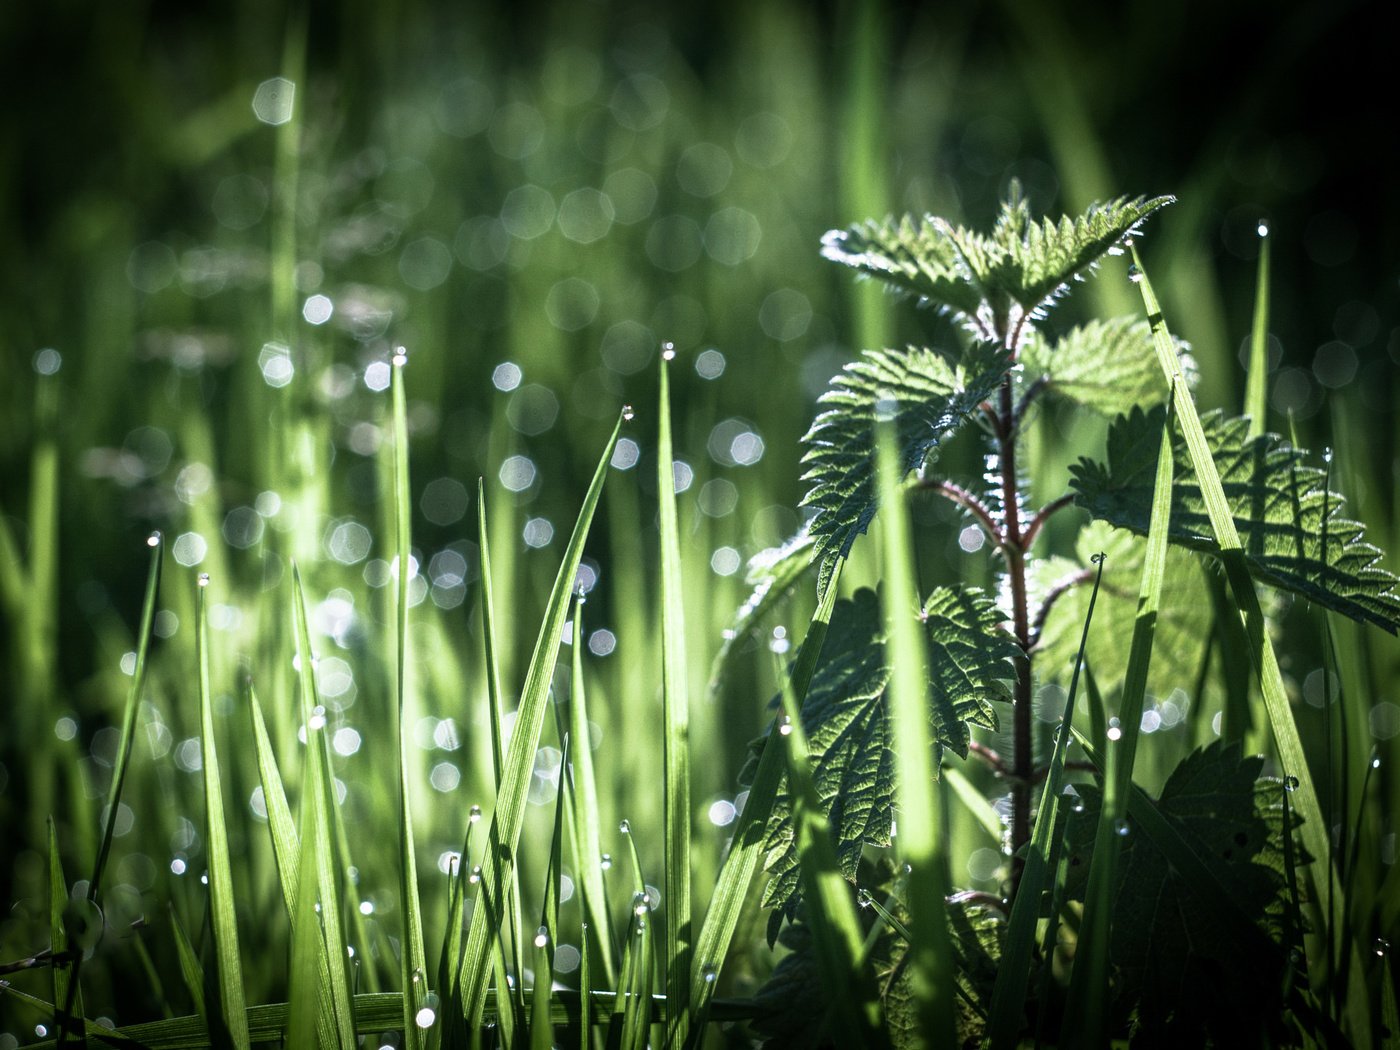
column 193, row 975
column 547, row 935
column 534, row 698
column 414, row 964
column 974, row 802
column 676, row 734
column 1231, row 553
column 923, row 806
column 228, row 972
column 1013, row 972
column 1088, row 992
column 1256, row 402
column 285, row 848
column 746, row 849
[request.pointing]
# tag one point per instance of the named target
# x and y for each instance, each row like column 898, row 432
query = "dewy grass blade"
column 831, row 915
column 534, row 700
column 223, row 915
column 489, row 641
column 1261, row 651
column 308, row 976
column 285, row 849
column 587, row 827
column 318, row 795
column 1013, row 972
column 133, row 705
column 676, row 741
column 547, row 934
column 921, row 803
column 63, row 972
column 1256, row 402
column 746, row 850
column 417, row 1015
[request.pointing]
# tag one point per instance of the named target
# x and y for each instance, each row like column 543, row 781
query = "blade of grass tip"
column 587, row 825
column 547, row 934
column 191, row 972
column 307, row 970
column 228, row 970
column 746, row 848
column 417, row 1014
column 534, row 699
column 318, row 794
column 285, row 847
column 921, row 803
column 1264, row 660
column 637, row 1008
column 676, row 738
column 585, row 992
column 854, row 1004
column 1087, row 1007
column 62, row 971
column 133, row 704
column 1013, row 972
column 1256, row 397
column 450, row 954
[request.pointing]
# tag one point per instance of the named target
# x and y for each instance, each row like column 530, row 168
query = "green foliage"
column 930, row 398
column 1107, row 366
column 1294, row 534
column 845, row 717
column 1182, row 976
column 990, row 282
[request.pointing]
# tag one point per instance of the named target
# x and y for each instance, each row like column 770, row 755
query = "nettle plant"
column 1192, row 906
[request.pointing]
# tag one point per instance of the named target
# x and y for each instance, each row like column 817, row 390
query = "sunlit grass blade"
column 450, row 954
column 746, row 849
column 637, row 972
column 308, row 973
column 583, row 797
column 547, row 934
column 413, row 959
column 831, row 914
column 676, row 735
column 318, row 795
column 534, row 699
column 1013, row 972
column 1262, row 657
column 974, row 802
column 285, row 847
column 924, row 829
column 1087, row 1009
column 1256, row 401
column 228, row 961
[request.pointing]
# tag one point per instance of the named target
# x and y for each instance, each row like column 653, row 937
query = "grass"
column 314, row 728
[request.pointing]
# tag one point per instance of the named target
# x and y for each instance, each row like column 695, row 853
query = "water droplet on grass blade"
column 627, row 413
column 1121, row 828
column 785, row 727
column 1290, row 783
column 1381, row 947
column 204, row 579
column 474, row 814
column 710, row 974
column 625, row 827
column 541, row 937
column 1134, row 274
column 153, row 540
column 400, row 356
column 1263, row 227
column 605, row 862
column 668, row 351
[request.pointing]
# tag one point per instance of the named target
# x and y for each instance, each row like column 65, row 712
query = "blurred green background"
column 219, row 222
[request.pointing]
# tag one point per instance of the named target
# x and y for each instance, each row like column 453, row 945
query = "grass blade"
column 192, row 973
column 63, row 972
column 1261, row 651
column 547, row 935
column 413, row 959
column 922, row 804
column 308, row 972
column 285, row 848
column 228, row 968
column 746, row 849
column 676, row 738
column 534, row 698
column 1014, row 970
column 1087, row 1010
column 1256, row 402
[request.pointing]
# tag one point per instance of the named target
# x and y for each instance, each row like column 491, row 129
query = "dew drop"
column 153, row 540
column 1134, row 274
column 863, row 898
column 541, row 937
column 606, row 860
column 1381, row 947
column 1263, row 227
column 668, row 351
column 641, row 904
column 1121, row 828
column 1098, row 559
column 785, row 726
column 1290, row 783
column 474, row 814
column 204, row 579
column 710, row 974
column 627, row 413
column 417, row 976
column 1327, row 455
column 625, row 827
column 400, row 357
column 1375, row 761
column 475, row 876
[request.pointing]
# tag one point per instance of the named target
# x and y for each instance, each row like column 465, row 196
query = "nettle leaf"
column 970, row 663
column 930, row 399
column 1292, row 527
column 1107, row 366
column 993, row 282
column 913, row 256
column 1180, row 975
